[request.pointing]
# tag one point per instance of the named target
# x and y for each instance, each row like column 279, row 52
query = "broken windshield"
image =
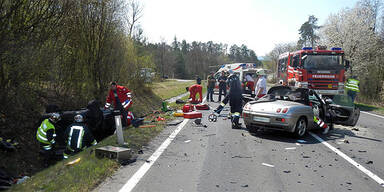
column 329, row 62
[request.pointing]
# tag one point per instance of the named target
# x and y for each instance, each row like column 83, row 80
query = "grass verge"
column 370, row 108
column 170, row 88
column 90, row 171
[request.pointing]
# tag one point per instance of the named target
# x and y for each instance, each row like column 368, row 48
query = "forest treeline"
column 359, row 31
column 66, row 52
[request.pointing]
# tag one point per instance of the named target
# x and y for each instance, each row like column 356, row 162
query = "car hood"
column 272, row 106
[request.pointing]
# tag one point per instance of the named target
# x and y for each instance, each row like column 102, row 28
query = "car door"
column 345, row 111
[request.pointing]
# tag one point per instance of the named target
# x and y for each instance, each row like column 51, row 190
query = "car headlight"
column 247, row 107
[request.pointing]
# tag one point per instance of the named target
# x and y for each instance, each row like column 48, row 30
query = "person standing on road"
column 198, row 80
column 193, row 90
column 122, row 100
column 261, row 85
column 210, row 86
column 235, row 99
column 352, row 87
column 222, row 85
column 78, row 137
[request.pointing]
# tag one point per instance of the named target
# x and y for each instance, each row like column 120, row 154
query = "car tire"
column 251, row 128
column 300, row 127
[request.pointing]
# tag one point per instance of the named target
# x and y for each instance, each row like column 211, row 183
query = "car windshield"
column 287, row 94
column 343, row 100
column 329, row 62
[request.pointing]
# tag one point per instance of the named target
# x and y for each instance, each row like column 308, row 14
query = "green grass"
column 370, row 108
column 170, row 88
column 90, row 171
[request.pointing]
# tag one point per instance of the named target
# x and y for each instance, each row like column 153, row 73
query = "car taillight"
column 278, row 110
column 285, row 110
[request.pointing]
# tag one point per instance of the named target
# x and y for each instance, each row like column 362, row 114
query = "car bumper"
column 270, row 121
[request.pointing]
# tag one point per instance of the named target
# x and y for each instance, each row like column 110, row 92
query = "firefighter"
column 210, row 86
column 261, row 85
column 352, row 87
column 78, row 137
column 222, row 85
column 317, row 119
column 193, row 90
column 122, row 100
column 46, row 135
column 235, row 99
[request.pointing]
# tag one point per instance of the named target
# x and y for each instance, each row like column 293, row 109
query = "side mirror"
column 347, row 64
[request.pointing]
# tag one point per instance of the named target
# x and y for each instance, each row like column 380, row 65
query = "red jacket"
column 124, row 95
column 193, row 90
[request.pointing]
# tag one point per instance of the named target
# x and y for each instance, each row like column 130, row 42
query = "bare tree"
column 134, row 13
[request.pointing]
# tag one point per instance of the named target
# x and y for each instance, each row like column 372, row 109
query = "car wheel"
column 301, row 127
column 251, row 129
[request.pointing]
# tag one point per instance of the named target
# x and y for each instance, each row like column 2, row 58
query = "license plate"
column 261, row 119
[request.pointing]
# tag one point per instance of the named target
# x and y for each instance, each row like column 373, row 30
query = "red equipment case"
column 202, row 107
column 188, row 108
column 193, row 115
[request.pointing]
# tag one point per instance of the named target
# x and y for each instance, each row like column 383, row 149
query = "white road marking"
column 379, row 116
column 268, row 165
column 351, row 161
column 132, row 182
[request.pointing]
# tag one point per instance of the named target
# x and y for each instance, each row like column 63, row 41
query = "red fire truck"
column 319, row 69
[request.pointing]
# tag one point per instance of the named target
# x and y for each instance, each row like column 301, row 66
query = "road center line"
column 379, row 116
column 132, row 182
column 351, row 161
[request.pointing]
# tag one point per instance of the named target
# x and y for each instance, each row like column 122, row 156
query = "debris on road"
column 355, row 129
column 187, row 141
column 140, row 151
column 287, row 171
column 346, row 141
column 239, row 156
column 290, row 148
column 217, row 185
column 174, row 122
column 301, row 141
column 268, row 165
column 298, row 144
column 305, row 157
column 209, row 135
column 362, row 151
column 243, row 134
column 369, row 162
column 244, row 186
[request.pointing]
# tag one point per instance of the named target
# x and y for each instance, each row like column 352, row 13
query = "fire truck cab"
column 319, row 69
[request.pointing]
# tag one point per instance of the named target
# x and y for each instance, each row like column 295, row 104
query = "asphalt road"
column 218, row 158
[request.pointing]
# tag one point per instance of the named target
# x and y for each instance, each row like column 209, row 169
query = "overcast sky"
column 259, row 24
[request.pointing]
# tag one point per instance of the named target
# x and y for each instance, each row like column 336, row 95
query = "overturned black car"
column 100, row 121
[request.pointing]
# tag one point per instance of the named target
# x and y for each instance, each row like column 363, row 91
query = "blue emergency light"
column 307, row 48
column 336, row 49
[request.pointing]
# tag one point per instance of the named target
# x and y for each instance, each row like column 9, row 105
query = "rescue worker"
column 78, row 137
column 222, row 85
column 198, row 80
column 193, row 90
column 249, row 82
column 317, row 119
column 210, row 86
column 352, row 87
column 235, row 99
column 261, row 85
column 122, row 100
column 46, row 135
